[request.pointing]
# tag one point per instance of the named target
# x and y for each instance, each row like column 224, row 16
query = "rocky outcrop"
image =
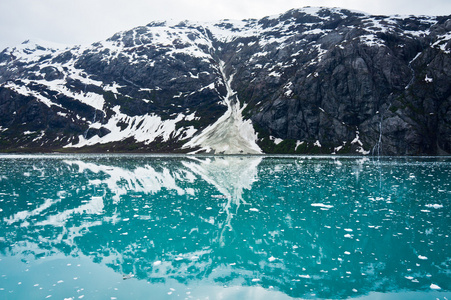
column 311, row 80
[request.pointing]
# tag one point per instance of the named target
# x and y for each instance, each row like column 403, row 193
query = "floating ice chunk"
column 435, row 287
column 256, row 280
column 157, row 263
column 436, row 206
column 272, row 258
column 253, row 209
column 321, row 205
column 422, row 257
column 349, row 236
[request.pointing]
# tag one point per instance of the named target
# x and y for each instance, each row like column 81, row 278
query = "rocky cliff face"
column 311, row 80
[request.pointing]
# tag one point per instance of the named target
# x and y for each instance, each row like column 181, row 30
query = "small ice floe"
column 435, row 287
column 272, row 258
column 436, row 206
column 256, row 280
column 127, row 276
column 322, row 205
column 422, row 257
column 253, row 209
column 157, row 263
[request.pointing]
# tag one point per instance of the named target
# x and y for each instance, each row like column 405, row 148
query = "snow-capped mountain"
column 311, row 80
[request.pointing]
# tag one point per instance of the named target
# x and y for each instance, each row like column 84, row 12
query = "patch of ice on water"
column 272, row 258
column 321, row 205
column 436, row 206
column 435, row 287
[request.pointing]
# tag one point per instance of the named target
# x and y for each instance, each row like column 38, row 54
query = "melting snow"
column 230, row 134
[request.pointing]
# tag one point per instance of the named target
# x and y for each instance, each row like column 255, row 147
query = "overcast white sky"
column 87, row 21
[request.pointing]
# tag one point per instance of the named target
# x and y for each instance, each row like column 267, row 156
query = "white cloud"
column 87, row 21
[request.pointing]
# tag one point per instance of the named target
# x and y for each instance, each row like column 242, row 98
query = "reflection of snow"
column 23, row 215
column 231, row 176
column 94, row 207
column 140, row 180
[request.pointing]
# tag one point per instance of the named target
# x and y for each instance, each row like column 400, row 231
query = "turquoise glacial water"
column 224, row 227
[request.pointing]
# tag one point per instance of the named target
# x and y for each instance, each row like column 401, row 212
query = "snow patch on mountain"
column 230, row 134
column 145, row 128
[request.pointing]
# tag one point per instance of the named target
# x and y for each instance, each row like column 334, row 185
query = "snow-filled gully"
column 230, row 134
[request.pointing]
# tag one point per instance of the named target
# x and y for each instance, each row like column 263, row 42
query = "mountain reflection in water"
column 306, row 227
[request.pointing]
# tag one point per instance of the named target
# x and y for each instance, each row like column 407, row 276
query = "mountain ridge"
column 312, row 80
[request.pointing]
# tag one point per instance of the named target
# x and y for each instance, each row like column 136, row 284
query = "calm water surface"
column 226, row 227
